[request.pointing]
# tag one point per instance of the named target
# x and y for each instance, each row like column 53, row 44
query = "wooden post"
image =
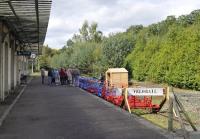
column 126, row 100
column 32, row 66
column 166, row 97
column 123, row 101
column 167, row 93
column 170, row 113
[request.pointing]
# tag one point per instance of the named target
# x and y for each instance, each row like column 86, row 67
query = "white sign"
column 145, row 91
column 33, row 56
column 117, row 92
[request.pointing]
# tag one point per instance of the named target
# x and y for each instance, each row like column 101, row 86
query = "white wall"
column 2, row 58
column 1, row 62
column 11, row 65
column 15, row 68
column 6, row 63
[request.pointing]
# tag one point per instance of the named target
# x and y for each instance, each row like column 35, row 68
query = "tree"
column 94, row 34
column 84, row 33
column 168, row 52
column 45, row 58
column 164, row 52
column 88, row 33
column 115, row 49
column 69, row 43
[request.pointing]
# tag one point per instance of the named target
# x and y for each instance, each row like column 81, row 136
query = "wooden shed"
column 117, row 77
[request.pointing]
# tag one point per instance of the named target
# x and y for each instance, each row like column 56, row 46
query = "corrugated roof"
column 28, row 19
column 111, row 70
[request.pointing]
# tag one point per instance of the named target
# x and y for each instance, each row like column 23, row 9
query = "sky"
column 112, row 16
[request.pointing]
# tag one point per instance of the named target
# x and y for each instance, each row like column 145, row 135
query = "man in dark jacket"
column 62, row 76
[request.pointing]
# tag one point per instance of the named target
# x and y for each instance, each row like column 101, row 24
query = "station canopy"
column 27, row 19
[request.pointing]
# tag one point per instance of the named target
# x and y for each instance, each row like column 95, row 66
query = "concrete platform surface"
column 63, row 112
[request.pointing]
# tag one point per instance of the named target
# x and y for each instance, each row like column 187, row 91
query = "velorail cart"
column 115, row 89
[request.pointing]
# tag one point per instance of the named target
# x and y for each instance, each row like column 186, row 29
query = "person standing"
column 57, row 77
column 76, row 77
column 69, row 75
column 73, row 76
column 66, row 77
column 42, row 75
column 53, row 80
column 62, row 76
column 49, row 76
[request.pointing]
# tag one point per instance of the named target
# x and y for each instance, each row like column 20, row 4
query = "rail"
column 176, row 107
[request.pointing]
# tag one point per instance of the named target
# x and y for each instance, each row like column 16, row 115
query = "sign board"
column 145, row 91
column 33, row 56
column 24, row 53
column 116, row 92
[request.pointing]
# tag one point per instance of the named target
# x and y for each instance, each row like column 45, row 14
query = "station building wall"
column 11, row 65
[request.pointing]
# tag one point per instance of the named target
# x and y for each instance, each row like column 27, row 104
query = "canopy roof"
column 28, row 20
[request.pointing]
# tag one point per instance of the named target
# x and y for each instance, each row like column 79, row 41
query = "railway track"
column 175, row 119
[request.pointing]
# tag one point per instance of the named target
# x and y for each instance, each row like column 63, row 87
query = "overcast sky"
column 67, row 16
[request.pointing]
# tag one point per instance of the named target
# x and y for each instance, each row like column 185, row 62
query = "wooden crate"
column 117, row 77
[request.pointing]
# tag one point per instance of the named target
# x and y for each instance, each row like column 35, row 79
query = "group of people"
column 62, row 76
